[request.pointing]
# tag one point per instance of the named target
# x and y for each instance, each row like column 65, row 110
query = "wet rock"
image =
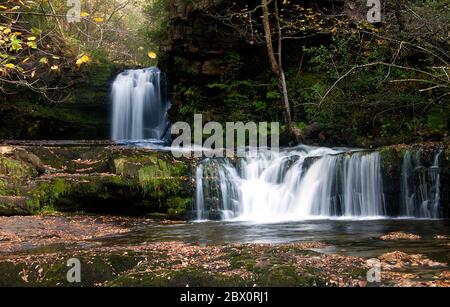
column 393, row 236
column 94, row 178
column 28, row 157
column 441, row 237
column 399, row 259
column 16, row 205
column 313, row 134
column 16, row 169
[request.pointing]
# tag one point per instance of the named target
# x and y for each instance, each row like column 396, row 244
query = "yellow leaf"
column 82, row 60
column 152, row 55
column 6, row 31
column 43, row 61
column 31, row 38
column 99, row 19
column 84, row 14
column 10, row 66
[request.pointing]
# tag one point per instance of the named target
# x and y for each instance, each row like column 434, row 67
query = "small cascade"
column 300, row 183
column 420, row 187
column 140, row 106
column 200, row 205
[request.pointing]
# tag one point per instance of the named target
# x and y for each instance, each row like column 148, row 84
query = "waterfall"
column 199, row 193
column 300, row 183
column 140, row 106
column 420, row 190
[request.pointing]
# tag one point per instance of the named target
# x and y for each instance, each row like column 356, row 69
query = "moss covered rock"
column 95, row 178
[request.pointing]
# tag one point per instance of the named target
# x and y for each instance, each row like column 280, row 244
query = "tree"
column 42, row 50
column 277, row 65
column 269, row 24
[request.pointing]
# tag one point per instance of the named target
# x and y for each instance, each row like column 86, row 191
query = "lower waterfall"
column 314, row 183
column 301, row 183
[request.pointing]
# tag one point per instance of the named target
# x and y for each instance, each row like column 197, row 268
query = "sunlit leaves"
column 32, row 45
column 83, row 59
column 10, row 66
column 152, row 55
column 15, row 43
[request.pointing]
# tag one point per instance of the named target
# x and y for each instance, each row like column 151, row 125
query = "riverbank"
column 34, row 252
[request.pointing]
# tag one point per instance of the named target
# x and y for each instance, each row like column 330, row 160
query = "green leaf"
column 36, row 31
column 32, row 45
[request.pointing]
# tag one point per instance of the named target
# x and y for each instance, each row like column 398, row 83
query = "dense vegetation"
column 358, row 83
column 347, row 81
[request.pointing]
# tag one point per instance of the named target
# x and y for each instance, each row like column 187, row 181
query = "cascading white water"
column 199, row 193
column 301, row 183
column 140, row 106
column 420, row 187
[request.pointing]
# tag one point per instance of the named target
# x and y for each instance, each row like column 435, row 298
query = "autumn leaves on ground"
column 34, row 251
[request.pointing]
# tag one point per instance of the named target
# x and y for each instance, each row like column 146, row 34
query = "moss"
column 100, row 179
column 391, row 159
column 16, row 205
column 95, row 270
column 178, row 206
column 16, row 169
column 158, row 176
column 242, row 259
column 158, row 216
column 6, row 188
column 194, row 277
column 46, row 194
column 287, row 276
column 158, row 183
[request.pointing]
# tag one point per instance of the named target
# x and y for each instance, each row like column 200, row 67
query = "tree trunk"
column 282, row 77
column 268, row 36
column 277, row 65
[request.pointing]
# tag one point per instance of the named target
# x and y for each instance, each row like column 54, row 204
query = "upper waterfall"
column 140, row 105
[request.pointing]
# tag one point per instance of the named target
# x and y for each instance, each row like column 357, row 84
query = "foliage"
column 232, row 96
column 42, row 49
column 157, row 13
column 371, row 103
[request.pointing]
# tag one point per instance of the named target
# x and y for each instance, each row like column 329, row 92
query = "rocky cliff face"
column 199, row 51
